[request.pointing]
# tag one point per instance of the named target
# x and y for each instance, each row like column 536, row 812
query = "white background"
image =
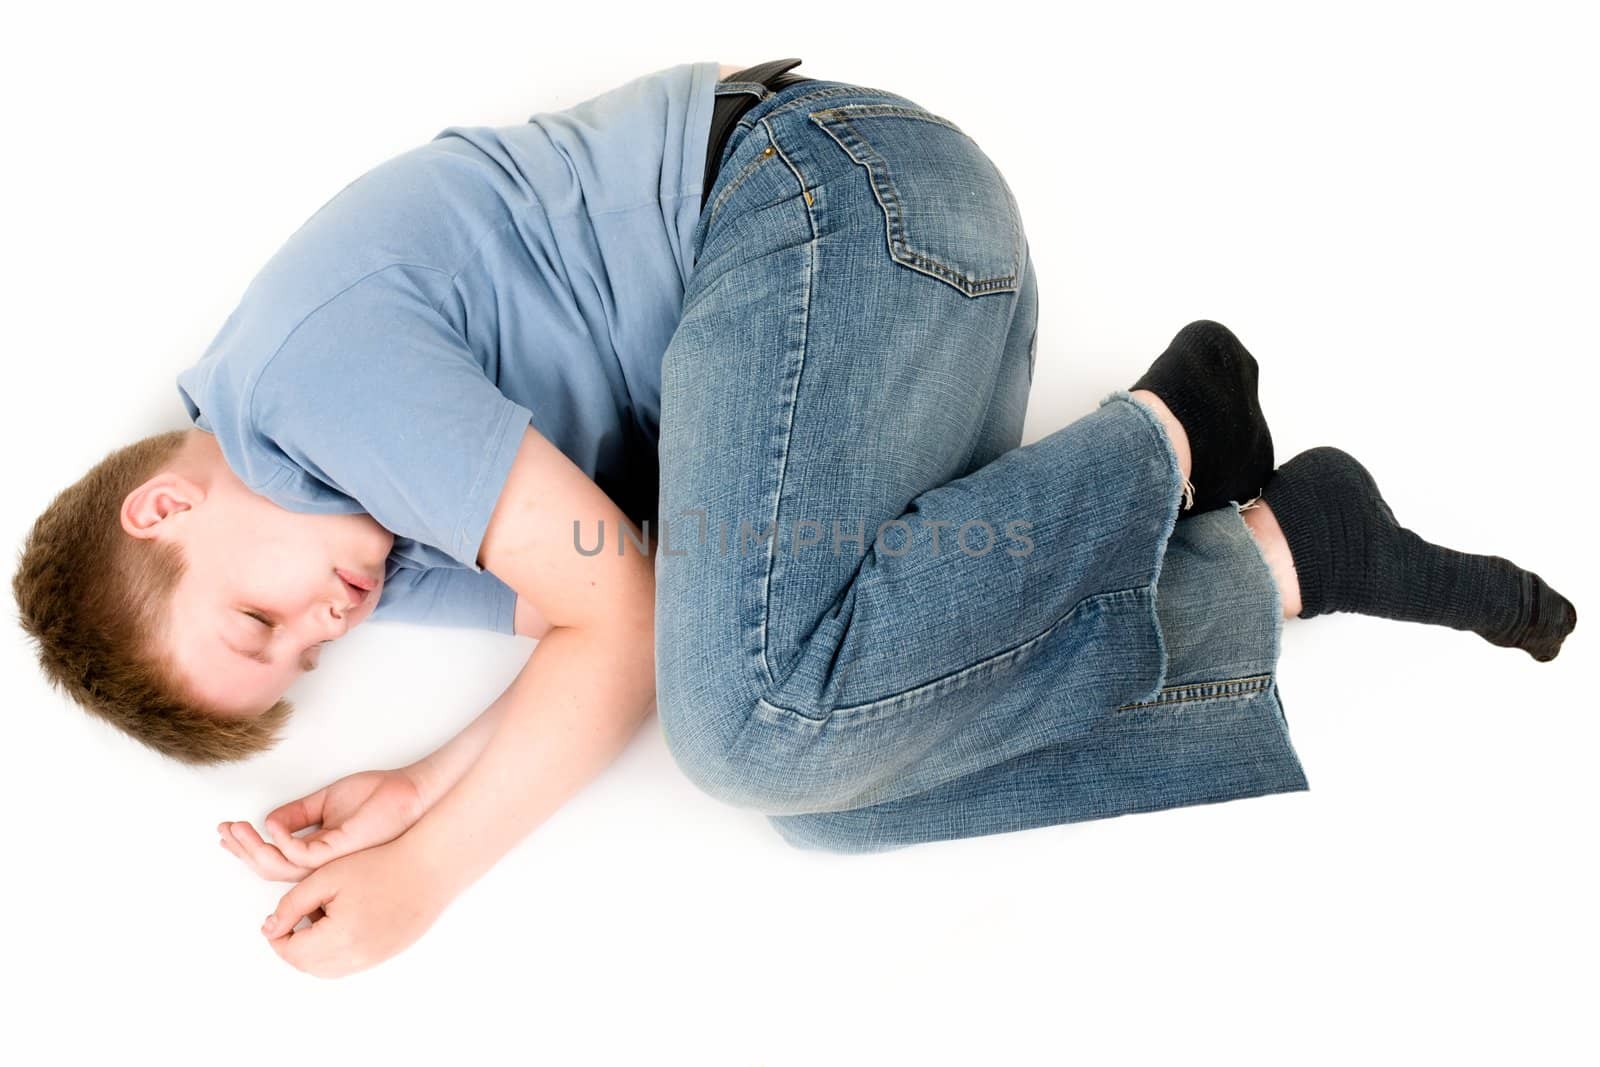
column 1393, row 206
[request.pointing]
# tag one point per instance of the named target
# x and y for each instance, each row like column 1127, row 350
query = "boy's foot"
column 1351, row 554
column 1208, row 379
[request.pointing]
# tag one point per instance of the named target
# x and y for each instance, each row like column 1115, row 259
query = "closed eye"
column 308, row 659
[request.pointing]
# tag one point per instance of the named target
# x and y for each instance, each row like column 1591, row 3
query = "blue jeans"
column 879, row 620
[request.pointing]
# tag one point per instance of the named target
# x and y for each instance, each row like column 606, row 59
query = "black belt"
column 727, row 110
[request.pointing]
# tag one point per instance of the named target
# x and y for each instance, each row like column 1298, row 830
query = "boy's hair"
column 95, row 601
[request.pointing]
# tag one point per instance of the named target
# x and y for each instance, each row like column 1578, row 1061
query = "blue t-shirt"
column 389, row 356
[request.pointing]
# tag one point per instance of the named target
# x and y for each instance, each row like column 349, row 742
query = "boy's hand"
column 364, row 908
column 358, row 811
column 241, row 839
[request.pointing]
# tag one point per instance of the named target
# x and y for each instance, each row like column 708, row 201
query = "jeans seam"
column 1194, row 692
column 1164, row 447
column 791, row 403
column 956, row 679
column 738, row 179
column 845, row 111
column 836, row 90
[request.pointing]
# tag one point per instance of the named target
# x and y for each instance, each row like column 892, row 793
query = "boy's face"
column 250, row 560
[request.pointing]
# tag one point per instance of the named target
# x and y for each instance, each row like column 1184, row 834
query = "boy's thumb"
column 301, row 900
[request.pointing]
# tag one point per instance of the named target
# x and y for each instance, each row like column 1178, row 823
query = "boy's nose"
column 336, row 618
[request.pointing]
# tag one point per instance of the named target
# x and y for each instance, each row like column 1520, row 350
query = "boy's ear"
column 165, row 494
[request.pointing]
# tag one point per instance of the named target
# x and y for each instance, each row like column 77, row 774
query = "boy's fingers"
column 283, row 821
column 304, row 898
column 226, row 840
column 246, row 835
column 268, row 861
column 230, row 841
column 305, row 950
column 318, row 848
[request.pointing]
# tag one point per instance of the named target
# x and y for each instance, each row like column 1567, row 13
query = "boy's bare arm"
column 590, row 681
column 583, row 693
column 539, row 472
column 441, row 769
column 568, row 713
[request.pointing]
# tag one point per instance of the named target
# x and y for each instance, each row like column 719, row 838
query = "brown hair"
column 95, row 601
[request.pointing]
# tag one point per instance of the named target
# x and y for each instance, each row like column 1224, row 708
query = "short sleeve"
column 447, row 596
column 376, row 399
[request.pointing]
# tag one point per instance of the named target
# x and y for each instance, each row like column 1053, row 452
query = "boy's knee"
column 724, row 741
column 707, row 736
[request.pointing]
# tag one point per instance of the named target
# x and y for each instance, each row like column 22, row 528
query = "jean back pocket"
column 947, row 210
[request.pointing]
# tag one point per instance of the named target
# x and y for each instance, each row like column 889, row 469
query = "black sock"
column 1208, row 379
column 1350, row 554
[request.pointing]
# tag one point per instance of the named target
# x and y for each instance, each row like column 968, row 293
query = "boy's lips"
column 358, row 585
column 357, row 579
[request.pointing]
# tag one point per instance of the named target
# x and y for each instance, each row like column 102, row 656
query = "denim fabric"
column 878, row 619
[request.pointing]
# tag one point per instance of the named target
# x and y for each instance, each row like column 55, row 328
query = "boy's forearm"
column 582, row 694
column 441, row 769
